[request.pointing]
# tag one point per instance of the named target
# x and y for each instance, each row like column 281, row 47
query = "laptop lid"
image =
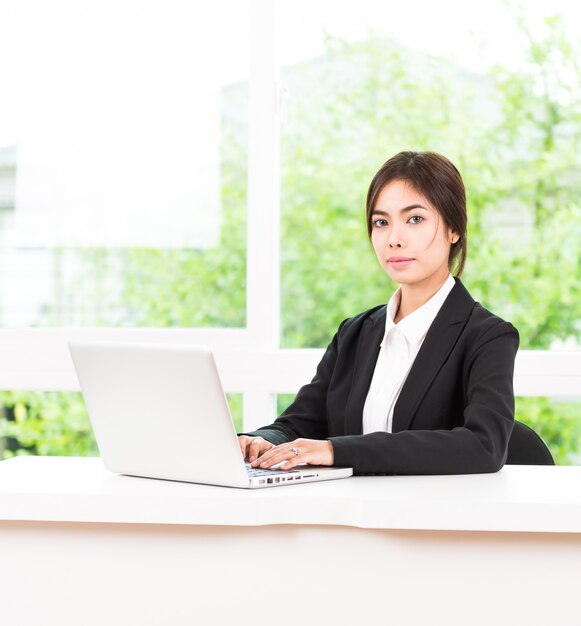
column 160, row 412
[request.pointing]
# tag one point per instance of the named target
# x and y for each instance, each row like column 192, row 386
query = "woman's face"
column 405, row 225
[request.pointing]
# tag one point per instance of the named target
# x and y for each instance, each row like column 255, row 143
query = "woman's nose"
column 394, row 240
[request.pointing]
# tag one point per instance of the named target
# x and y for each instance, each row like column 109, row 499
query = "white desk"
column 81, row 546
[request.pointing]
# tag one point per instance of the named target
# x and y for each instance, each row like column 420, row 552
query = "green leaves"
column 51, row 423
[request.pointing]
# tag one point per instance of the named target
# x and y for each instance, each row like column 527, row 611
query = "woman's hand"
column 312, row 451
column 252, row 447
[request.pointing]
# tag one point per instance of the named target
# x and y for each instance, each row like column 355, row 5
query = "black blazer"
column 454, row 414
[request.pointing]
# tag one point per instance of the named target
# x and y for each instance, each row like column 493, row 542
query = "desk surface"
column 519, row 498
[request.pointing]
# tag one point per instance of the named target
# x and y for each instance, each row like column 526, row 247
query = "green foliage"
column 557, row 423
column 516, row 137
column 235, row 404
column 50, row 423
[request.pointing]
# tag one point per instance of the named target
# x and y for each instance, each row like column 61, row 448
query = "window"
column 141, row 176
column 496, row 89
column 123, row 165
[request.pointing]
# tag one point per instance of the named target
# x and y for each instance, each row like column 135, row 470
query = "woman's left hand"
column 312, row 451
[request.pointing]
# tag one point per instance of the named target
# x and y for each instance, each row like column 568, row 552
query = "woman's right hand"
column 253, row 447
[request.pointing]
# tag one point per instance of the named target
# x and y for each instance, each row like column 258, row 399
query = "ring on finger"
column 295, row 451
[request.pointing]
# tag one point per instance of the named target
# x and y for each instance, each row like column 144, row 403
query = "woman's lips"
column 399, row 262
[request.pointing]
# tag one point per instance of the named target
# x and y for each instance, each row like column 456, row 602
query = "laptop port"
column 277, row 480
column 269, row 480
column 261, row 481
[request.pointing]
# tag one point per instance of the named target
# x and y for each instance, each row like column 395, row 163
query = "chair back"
column 525, row 447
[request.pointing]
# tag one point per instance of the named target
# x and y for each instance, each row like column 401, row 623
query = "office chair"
column 525, row 447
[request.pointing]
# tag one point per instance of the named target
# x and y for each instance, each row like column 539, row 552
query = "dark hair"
column 437, row 179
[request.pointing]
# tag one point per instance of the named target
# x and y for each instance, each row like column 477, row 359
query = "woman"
column 423, row 385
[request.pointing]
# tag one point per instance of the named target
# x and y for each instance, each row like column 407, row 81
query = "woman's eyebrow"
column 411, row 207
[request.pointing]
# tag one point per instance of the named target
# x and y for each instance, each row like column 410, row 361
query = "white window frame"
column 249, row 359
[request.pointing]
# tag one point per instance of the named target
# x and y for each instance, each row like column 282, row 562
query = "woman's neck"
column 415, row 295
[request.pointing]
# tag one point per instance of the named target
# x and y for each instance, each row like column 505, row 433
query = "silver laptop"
column 161, row 412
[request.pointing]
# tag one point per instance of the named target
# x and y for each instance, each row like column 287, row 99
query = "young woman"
column 423, row 385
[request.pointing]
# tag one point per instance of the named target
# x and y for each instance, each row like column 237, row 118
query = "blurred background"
column 124, row 163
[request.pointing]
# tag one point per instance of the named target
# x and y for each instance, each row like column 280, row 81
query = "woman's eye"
column 419, row 217
column 379, row 223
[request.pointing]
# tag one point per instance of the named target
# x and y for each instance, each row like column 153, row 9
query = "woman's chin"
column 399, row 276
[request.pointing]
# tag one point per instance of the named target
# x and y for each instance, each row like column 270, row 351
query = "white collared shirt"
column 399, row 347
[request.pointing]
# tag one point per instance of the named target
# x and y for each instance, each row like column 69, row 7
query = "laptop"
column 159, row 411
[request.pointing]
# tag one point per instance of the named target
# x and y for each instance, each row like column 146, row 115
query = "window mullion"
column 263, row 266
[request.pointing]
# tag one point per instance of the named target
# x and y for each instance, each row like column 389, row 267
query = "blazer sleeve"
column 478, row 446
column 307, row 415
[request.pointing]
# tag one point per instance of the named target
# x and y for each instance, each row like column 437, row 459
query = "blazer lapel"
column 438, row 343
column 367, row 352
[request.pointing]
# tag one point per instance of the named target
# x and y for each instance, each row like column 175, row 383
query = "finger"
column 288, row 465
column 266, row 455
column 281, row 448
column 243, row 442
column 257, row 446
column 277, row 458
column 296, row 459
column 281, row 451
column 254, row 449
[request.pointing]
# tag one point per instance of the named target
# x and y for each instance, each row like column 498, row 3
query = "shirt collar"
column 415, row 325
